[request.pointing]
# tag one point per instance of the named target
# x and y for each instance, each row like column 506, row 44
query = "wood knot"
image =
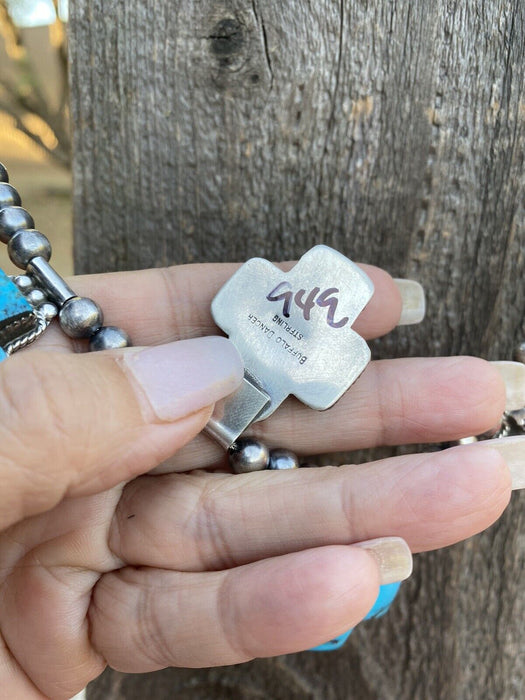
column 236, row 50
column 227, row 39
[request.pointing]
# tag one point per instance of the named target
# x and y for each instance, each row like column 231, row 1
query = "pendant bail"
column 234, row 414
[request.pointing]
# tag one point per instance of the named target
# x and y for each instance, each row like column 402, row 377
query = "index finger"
column 164, row 304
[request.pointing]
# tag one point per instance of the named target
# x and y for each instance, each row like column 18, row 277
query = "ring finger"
column 199, row 521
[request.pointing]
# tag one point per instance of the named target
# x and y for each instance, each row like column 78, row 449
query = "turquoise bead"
column 3, row 355
column 384, row 600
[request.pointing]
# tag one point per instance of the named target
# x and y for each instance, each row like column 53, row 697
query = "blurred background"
column 35, row 143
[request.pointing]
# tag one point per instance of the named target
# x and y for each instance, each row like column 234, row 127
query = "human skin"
column 125, row 540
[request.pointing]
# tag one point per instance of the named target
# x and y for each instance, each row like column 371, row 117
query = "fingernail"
column 180, row 378
column 393, row 557
column 512, row 449
column 513, row 374
column 413, row 296
column 80, row 696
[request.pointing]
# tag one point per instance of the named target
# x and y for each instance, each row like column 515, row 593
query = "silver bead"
column 109, row 338
column 23, row 282
column 36, row 297
column 26, row 245
column 519, row 418
column 283, row 459
column 248, row 455
column 48, row 310
column 80, row 317
column 519, row 354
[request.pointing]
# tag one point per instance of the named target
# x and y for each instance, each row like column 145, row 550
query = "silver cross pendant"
column 294, row 332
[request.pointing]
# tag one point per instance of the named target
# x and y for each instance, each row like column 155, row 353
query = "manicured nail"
column 513, row 374
column 80, row 696
column 512, row 449
column 413, row 296
column 393, row 557
column 180, row 378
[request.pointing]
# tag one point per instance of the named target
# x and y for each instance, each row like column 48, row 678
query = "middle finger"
column 394, row 402
column 163, row 304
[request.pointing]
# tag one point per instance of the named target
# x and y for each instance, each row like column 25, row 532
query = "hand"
column 193, row 566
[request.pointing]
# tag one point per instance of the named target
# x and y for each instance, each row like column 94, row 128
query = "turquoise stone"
column 387, row 594
column 13, row 303
column 16, row 313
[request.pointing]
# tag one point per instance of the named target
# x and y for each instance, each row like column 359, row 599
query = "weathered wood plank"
column 394, row 131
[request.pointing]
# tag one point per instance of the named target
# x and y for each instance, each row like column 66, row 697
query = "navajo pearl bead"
column 9, row 197
column 80, row 317
column 13, row 219
column 26, row 245
column 248, row 455
column 283, row 459
column 109, row 338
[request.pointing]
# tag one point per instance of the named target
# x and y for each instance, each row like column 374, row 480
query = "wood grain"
column 394, row 131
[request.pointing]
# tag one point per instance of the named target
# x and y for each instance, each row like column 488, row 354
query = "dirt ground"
column 45, row 189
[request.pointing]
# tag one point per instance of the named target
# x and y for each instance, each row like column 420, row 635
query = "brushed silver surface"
column 294, row 329
column 234, row 414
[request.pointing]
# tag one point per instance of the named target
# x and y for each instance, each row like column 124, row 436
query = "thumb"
column 79, row 424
